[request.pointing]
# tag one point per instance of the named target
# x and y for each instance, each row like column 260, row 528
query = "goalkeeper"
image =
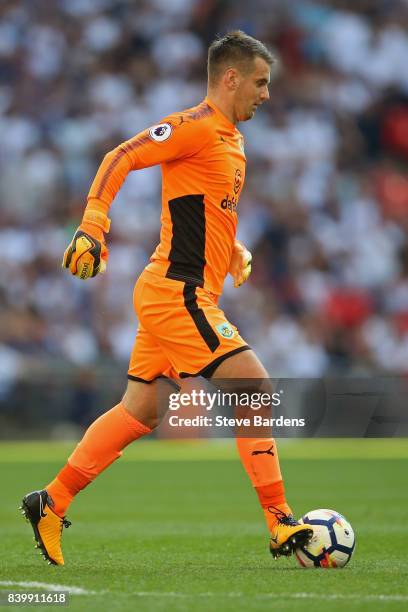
column 182, row 331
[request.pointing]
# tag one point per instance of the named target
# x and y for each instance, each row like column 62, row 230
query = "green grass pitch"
column 176, row 526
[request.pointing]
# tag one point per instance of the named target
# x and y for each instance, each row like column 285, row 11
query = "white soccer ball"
column 333, row 541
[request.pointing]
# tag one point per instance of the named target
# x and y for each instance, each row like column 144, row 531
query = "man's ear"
column 231, row 79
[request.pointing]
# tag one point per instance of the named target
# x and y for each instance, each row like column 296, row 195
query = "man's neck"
column 223, row 105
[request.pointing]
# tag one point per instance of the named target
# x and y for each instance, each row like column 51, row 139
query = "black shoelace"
column 65, row 523
column 284, row 519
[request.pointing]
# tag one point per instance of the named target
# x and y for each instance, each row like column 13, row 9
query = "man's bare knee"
column 140, row 400
column 243, row 373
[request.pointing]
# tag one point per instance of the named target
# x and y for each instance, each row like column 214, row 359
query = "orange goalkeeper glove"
column 87, row 254
column 240, row 265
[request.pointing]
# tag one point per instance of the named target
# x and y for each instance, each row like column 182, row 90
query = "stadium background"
column 324, row 209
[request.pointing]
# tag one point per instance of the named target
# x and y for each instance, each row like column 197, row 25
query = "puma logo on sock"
column 264, row 452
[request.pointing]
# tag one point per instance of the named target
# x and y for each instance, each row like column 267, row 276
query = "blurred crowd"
column 324, row 209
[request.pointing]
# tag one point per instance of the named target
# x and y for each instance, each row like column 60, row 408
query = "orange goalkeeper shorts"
column 182, row 332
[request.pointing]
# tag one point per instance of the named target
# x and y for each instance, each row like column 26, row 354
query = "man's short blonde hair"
column 235, row 49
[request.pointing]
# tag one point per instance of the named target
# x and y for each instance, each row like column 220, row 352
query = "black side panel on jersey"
column 187, row 252
column 197, row 314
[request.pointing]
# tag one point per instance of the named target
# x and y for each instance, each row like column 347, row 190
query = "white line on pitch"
column 357, row 596
column 73, row 590
column 237, row 594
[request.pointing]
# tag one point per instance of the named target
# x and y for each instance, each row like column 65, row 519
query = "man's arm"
column 174, row 138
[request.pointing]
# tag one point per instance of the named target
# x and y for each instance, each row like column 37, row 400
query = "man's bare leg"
column 260, row 459
column 135, row 416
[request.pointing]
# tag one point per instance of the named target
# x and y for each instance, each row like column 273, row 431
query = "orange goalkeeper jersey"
column 203, row 169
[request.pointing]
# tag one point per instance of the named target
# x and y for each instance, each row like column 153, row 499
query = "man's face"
column 252, row 90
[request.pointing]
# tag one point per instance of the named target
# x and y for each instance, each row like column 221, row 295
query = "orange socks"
column 101, row 445
column 113, row 431
column 260, row 459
